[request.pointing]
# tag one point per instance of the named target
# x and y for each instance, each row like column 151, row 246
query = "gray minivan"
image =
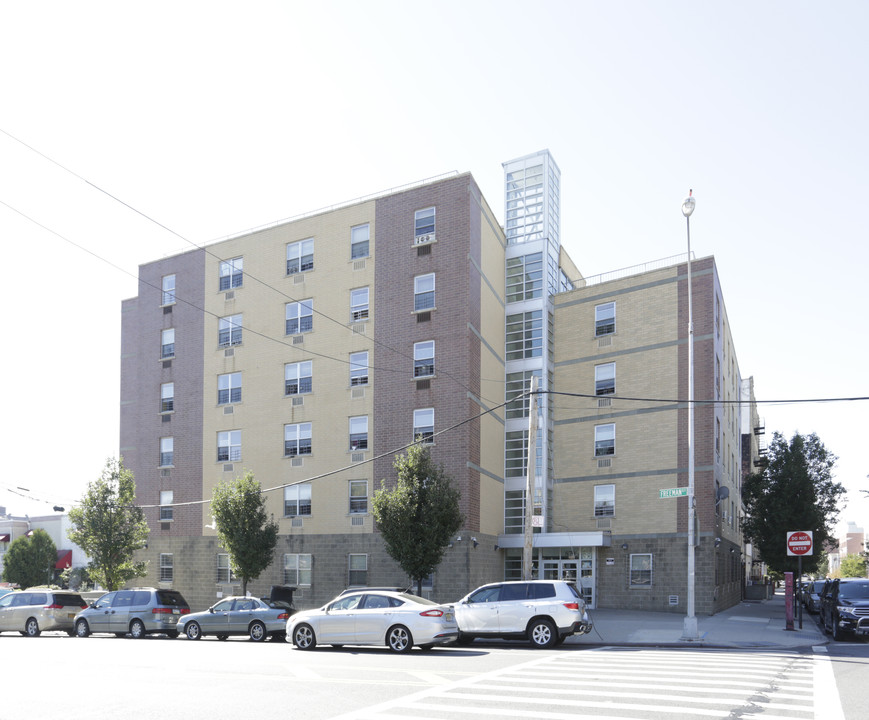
column 37, row 609
column 137, row 611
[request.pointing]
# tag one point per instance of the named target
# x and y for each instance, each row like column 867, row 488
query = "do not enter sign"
column 799, row 542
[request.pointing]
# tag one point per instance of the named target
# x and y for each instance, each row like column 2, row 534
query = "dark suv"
column 137, row 611
column 845, row 607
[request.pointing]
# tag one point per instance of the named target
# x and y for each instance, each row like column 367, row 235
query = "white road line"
column 828, row 705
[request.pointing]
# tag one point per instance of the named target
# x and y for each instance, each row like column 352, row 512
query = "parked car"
column 544, row 612
column 258, row 619
column 812, row 596
column 845, row 607
column 367, row 617
column 137, row 611
column 37, row 609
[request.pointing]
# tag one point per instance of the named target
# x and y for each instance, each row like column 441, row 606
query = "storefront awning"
column 64, row 559
column 559, row 539
column 4, row 537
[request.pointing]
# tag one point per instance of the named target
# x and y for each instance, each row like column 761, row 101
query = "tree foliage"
column 30, row 560
column 110, row 527
column 853, row 565
column 796, row 491
column 418, row 517
column 243, row 528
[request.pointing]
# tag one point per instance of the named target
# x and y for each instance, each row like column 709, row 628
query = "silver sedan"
column 237, row 616
column 394, row 619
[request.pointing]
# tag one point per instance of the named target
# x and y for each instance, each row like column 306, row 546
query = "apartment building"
column 311, row 351
column 620, row 418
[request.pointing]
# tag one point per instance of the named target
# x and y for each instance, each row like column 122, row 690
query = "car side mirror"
column 211, row 610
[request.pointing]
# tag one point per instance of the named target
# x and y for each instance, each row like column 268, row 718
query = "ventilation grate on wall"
column 229, row 352
column 605, row 341
column 297, row 522
column 423, row 316
column 165, row 418
column 357, row 393
column 604, row 523
column 165, row 473
column 423, row 250
column 358, row 328
column 359, row 265
column 357, row 457
column 604, row 462
column 167, row 310
column 167, row 364
column 357, row 520
column 673, row 600
column 423, row 384
column 298, row 278
column 230, row 295
column 604, row 402
column 297, row 462
column 228, row 468
column 298, row 339
column 228, row 410
column 298, row 401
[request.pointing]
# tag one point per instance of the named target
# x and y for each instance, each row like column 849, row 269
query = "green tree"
column 796, row 491
column 110, row 528
column 30, row 560
column 418, row 516
column 853, row 565
column 243, row 528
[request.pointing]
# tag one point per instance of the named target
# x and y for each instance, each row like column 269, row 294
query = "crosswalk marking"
column 623, row 684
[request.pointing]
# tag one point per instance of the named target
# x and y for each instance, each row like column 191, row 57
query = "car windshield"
column 170, row 597
column 816, row 587
column 853, row 590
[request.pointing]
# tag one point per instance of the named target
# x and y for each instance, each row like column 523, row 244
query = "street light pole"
column 689, row 631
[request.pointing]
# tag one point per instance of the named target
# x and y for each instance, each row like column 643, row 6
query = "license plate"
column 449, row 617
column 70, row 615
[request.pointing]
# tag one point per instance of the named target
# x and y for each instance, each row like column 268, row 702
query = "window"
column 300, row 256
column 297, row 500
column 297, row 378
column 359, row 368
column 358, row 496
column 525, row 277
column 168, row 297
column 167, row 397
column 525, row 335
column 297, row 569
column 423, row 359
column 166, row 509
column 605, row 379
column 229, row 388
column 167, row 343
column 641, row 570
column 297, row 439
column 424, row 292
column 231, row 275
column 167, row 567
column 300, row 317
column 423, row 425
column 229, row 331
column 604, row 440
column 359, row 237
column 518, row 405
column 424, row 226
column 167, row 452
column 604, row 500
column 358, row 565
column 604, row 319
column 516, row 453
column 229, row 446
column 359, row 433
column 359, row 304
column 224, row 569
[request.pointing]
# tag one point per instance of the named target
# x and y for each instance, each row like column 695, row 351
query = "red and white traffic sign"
column 799, row 542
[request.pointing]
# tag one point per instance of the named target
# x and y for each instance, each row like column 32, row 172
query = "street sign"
column 673, row 492
column 799, row 543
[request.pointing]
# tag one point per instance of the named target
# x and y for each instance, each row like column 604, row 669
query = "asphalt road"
column 102, row 678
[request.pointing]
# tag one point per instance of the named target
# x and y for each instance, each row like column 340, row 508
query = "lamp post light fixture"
column 689, row 630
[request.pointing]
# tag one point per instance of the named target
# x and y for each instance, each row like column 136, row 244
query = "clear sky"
column 215, row 117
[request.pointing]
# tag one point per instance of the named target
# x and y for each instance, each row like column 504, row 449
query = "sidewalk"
column 756, row 624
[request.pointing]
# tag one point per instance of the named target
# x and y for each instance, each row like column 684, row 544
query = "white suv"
column 544, row 612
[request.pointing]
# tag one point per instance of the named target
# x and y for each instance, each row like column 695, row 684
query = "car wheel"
column 541, row 634
column 31, row 628
column 172, row 634
column 71, row 633
column 193, row 631
column 82, row 629
column 137, row 629
column 222, row 637
column 257, row 631
column 399, row 639
column 560, row 639
column 304, row 638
